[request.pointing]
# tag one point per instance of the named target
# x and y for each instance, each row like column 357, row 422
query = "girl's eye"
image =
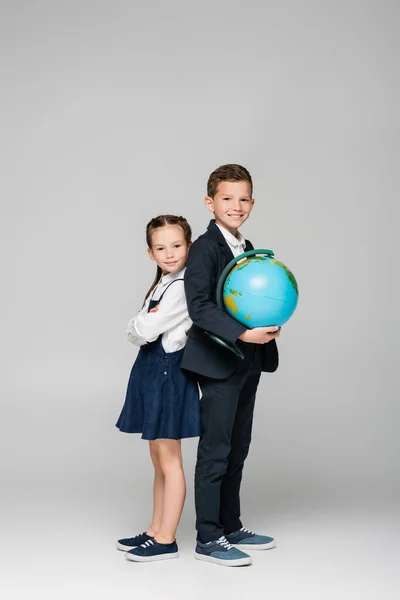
column 177, row 245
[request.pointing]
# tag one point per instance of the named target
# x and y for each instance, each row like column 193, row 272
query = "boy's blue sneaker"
column 152, row 550
column 244, row 538
column 130, row 543
column 221, row 553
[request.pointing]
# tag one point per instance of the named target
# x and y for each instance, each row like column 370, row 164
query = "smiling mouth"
column 235, row 216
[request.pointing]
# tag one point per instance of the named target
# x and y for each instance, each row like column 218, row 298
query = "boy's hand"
column 260, row 335
column 155, row 309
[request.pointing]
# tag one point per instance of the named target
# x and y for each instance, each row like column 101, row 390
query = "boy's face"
column 231, row 204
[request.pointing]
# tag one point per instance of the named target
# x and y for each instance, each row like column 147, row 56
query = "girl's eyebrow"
column 162, row 245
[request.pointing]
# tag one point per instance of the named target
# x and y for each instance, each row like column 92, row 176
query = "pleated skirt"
column 161, row 400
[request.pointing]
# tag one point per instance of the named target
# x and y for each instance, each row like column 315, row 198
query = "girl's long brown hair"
column 162, row 221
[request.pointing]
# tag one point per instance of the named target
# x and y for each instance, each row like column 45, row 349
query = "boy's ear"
column 150, row 253
column 209, row 202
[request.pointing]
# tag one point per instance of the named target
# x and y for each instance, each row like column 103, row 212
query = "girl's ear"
column 150, row 253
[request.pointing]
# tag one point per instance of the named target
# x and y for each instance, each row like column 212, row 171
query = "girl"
column 162, row 403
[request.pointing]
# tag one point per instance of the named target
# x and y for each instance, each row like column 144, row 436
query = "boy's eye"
column 177, row 245
column 245, row 200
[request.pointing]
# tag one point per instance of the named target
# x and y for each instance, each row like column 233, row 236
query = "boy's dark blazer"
column 208, row 257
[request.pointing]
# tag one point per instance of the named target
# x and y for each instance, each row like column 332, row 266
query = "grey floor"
column 63, row 505
column 65, row 553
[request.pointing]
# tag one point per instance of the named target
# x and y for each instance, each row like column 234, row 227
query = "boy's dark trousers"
column 226, row 407
column 228, row 385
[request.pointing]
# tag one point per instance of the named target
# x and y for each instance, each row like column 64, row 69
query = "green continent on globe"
column 231, row 304
column 235, row 293
column 288, row 273
column 247, row 317
column 244, row 263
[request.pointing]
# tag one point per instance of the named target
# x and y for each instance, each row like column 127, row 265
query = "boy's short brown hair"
column 228, row 173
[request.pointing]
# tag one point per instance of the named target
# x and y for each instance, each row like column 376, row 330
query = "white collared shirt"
column 236, row 244
column 171, row 320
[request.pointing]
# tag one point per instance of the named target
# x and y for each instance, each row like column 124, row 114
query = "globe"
column 260, row 291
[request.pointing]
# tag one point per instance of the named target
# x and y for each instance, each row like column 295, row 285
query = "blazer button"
column 165, row 372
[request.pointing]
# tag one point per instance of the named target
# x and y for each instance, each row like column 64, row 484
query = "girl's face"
column 169, row 248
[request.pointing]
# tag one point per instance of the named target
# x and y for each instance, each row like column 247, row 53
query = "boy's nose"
column 236, row 205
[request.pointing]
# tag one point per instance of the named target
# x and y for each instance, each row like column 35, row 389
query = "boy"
column 228, row 383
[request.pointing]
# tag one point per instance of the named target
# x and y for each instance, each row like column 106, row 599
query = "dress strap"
column 169, row 285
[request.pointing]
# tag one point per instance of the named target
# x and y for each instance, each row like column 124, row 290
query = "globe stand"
column 232, row 347
column 220, row 300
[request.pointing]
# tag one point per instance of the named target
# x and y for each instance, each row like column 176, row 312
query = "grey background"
column 114, row 112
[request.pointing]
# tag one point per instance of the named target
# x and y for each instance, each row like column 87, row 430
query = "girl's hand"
column 155, row 309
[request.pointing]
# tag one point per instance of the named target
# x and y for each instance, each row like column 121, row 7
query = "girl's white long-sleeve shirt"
column 171, row 320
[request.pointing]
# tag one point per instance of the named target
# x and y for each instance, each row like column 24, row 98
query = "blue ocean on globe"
column 260, row 291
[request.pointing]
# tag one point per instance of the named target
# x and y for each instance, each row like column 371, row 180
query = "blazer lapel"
column 248, row 246
column 214, row 233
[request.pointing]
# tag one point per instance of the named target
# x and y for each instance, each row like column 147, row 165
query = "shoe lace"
column 147, row 544
column 222, row 541
column 247, row 531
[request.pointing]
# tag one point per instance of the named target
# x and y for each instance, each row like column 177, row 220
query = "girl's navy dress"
column 161, row 400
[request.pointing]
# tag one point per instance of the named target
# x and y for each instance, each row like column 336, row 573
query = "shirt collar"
column 230, row 238
column 171, row 276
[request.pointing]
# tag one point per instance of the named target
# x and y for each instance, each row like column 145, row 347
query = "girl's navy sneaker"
column 244, row 538
column 130, row 543
column 221, row 553
column 152, row 550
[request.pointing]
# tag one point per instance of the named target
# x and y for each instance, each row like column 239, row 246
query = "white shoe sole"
column 136, row 558
column 255, row 546
column 237, row 562
column 124, row 548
